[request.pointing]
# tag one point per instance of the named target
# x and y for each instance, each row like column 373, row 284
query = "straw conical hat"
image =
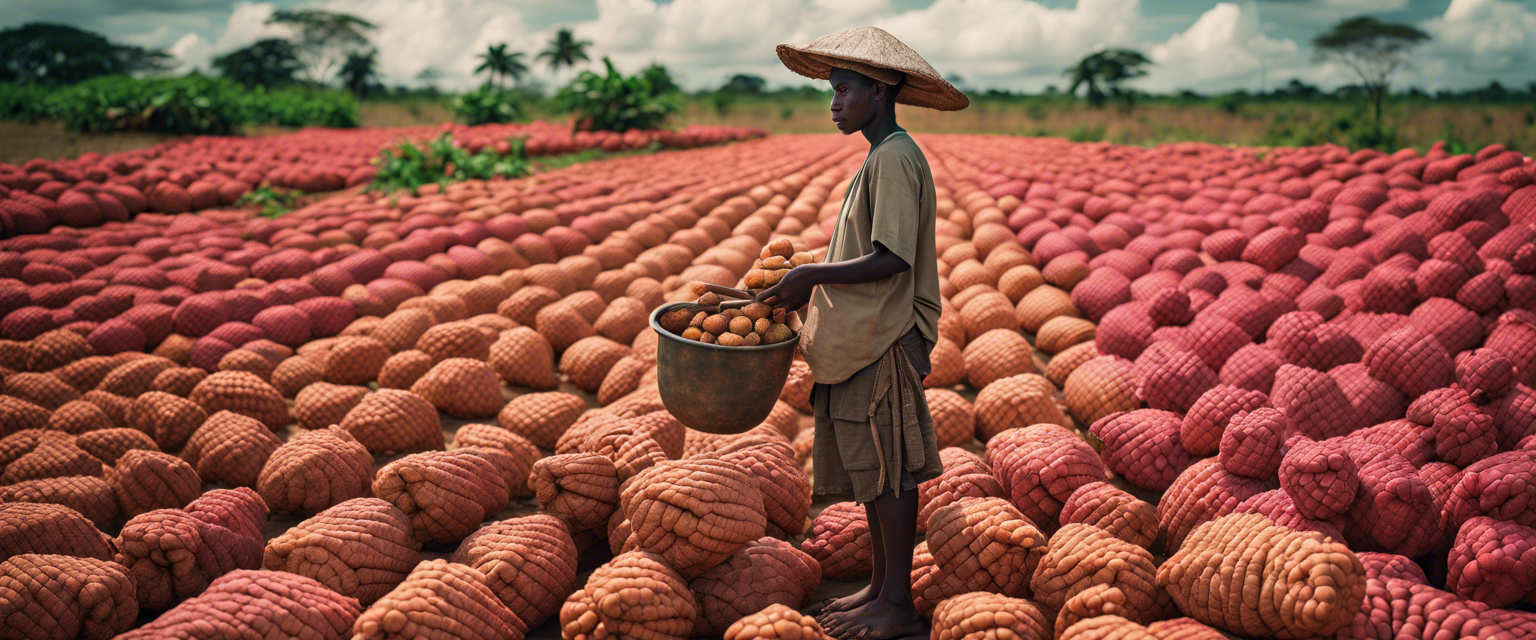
column 879, row 55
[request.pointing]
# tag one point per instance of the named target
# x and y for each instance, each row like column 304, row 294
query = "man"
column 873, row 319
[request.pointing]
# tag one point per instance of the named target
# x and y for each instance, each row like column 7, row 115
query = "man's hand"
column 794, row 290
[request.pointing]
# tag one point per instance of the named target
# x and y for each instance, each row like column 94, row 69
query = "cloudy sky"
column 1015, row 44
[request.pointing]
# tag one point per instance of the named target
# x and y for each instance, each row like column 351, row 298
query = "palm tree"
column 515, row 68
column 360, row 71
column 493, row 62
column 565, row 50
column 1111, row 68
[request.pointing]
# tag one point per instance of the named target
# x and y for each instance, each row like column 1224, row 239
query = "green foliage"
column 324, row 36
column 1346, row 126
column 1372, row 49
column 488, row 105
column 272, row 202
column 660, row 79
column 1086, row 133
column 744, row 84
column 500, row 63
column 22, row 102
column 188, row 105
column 359, row 74
column 1112, row 68
column 442, row 161
column 565, row 50
column 55, row 54
column 615, row 102
column 267, row 63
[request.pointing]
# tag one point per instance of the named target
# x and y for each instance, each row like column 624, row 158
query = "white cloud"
column 1223, row 50
column 1479, row 40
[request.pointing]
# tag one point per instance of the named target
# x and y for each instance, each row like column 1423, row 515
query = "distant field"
column 1415, row 123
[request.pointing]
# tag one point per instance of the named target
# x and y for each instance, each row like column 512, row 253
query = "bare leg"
column 876, row 576
column 890, row 614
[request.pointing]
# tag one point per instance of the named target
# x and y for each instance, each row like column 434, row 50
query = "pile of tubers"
column 743, row 322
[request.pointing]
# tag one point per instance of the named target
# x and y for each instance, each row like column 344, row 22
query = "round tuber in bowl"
column 718, row 389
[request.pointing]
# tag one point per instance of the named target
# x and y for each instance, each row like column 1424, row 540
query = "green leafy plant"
column 615, row 102
column 488, row 105
column 442, row 161
column 272, row 202
column 192, row 104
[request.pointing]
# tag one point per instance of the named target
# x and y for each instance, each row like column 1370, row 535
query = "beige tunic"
column 890, row 201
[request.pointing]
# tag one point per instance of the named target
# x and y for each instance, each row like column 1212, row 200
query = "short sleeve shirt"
column 891, row 201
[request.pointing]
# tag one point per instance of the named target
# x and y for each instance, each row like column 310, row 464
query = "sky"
column 1207, row 46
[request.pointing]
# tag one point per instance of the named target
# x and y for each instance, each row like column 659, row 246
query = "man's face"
column 854, row 98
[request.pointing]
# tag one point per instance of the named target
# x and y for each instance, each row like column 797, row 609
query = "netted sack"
column 623, row 378
column 1118, row 513
column 403, row 369
column 1493, row 562
column 169, row 419
column 230, row 448
column 1308, row 586
column 1320, row 477
column 1080, row 556
column 528, row 562
column 989, row 616
column 767, row 571
column 55, row 349
column 1100, row 601
column 355, row 360
column 90, row 496
column 455, row 340
column 1206, row 421
column 107, row 445
column 1174, row 383
column 51, row 459
column 1251, row 444
column 635, row 594
column 17, row 414
column 785, row 489
column 1410, row 360
column 541, row 417
column 1463, row 433
column 1204, row 492
column 391, row 421
column 840, row 541
column 588, row 360
column 582, row 488
column 1280, row 509
column 79, row 417
column 946, row 360
column 1314, row 402
column 178, row 381
column 1063, row 364
column 43, row 528
column 1389, row 566
column 148, row 480
column 524, row 358
column 243, row 393
column 693, row 513
column 294, row 374
column 1394, row 511
column 446, row 494
column 1101, row 386
column 360, row 548
column 965, row 475
column 462, row 388
column 315, row 470
column 1502, row 487
column 323, row 404
column 954, row 419
column 1014, row 402
column 1143, row 447
column 174, row 554
column 58, row 597
column 256, row 604
column 987, row 544
column 775, row 621
column 134, row 377
column 41, row 389
column 521, row 453
column 1040, row 466
column 1485, row 374
column 440, row 600
column 997, row 354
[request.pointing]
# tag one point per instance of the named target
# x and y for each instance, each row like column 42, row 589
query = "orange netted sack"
column 315, row 470
column 169, row 419
column 582, row 488
column 1014, row 402
column 984, row 544
column 148, row 480
column 524, row 358
column 723, row 509
column 989, row 616
column 541, row 417
column 360, row 548
column 528, row 562
column 765, row 572
column 775, row 621
column 1080, row 556
column 323, row 404
column 174, row 554
column 252, row 603
column 1119, row 513
column 1040, row 466
column 394, row 421
column 55, row 597
column 840, row 541
column 230, row 448
column 440, row 599
column 43, row 528
column 447, row 494
column 243, row 393
column 594, row 611
column 462, row 388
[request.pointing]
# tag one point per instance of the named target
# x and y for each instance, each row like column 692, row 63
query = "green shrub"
column 442, row 161
column 191, row 104
column 488, row 105
column 615, row 102
column 21, row 102
column 1086, row 133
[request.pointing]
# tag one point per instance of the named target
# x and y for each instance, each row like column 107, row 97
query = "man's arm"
column 795, row 289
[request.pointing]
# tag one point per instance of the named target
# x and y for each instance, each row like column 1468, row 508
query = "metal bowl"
column 717, row 389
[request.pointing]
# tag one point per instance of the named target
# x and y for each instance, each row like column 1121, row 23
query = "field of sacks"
column 1184, row 392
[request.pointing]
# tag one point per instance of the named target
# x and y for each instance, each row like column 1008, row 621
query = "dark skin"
column 884, row 609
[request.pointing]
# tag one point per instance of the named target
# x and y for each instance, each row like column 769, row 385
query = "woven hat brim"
column 921, row 90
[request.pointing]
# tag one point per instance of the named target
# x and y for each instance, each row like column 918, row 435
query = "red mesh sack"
column 840, row 541
column 965, row 475
column 1409, row 360
column 1201, row 494
column 581, row 488
column 1176, row 383
column 631, row 577
column 440, row 599
column 174, row 554
column 1320, row 477
column 1142, row 446
column 360, row 548
column 1394, row 511
column 1118, row 513
column 528, row 562
column 315, row 470
column 785, row 489
column 1314, row 403
column 1279, row 508
column 43, row 528
column 230, row 448
column 588, row 360
column 986, row 544
column 1039, row 467
column 1251, row 444
column 246, row 603
column 446, row 494
column 59, row 597
column 149, row 480
column 1502, row 486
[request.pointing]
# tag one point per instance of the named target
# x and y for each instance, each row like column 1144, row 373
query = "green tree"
column 744, row 84
column 325, row 38
column 56, row 54
column 660, row 78
column 1108, row 69
column 1372, row 49
column 266, row 63
column 500, row 63
column 360, row 72
column 564, row 50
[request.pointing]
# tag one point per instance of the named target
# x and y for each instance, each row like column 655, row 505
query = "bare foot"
column 846, row 603
column 878, row 620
